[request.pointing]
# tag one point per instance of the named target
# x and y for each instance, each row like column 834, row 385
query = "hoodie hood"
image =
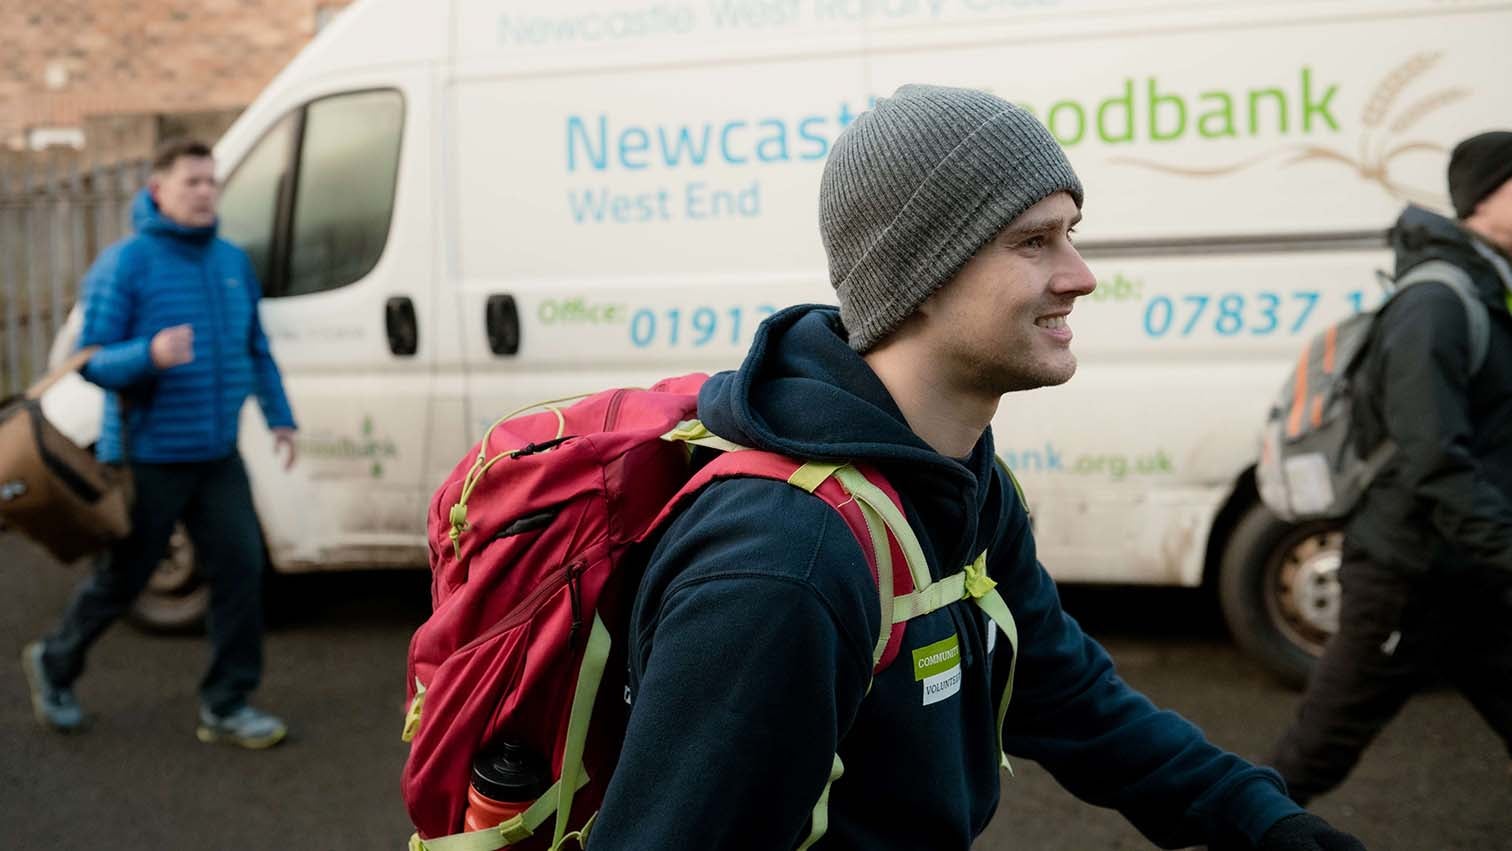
column 1420, row 235
column 803, row 392
column 148, row 219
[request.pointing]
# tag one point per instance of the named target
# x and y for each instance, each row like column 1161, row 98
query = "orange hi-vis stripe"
column 1330, row 340
column 1317, row 411
column 1299, row 397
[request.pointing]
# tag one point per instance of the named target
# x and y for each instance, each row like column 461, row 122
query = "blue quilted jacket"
column 166, row 275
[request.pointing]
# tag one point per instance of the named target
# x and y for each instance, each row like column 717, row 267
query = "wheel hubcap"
column 1306, row 591
column 175, row 573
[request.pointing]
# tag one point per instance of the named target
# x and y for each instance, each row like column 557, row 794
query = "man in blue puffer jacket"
column 174, row 312
column 755, row 721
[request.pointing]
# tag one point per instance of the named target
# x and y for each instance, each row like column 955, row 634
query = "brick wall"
column 98, row 63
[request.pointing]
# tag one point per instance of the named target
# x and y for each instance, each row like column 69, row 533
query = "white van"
column 461, row 207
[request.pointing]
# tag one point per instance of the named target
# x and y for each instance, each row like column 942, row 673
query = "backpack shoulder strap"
column 889, row 545
column 1458, row 280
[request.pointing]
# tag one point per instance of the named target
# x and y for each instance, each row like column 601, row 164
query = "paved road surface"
column 138, row 780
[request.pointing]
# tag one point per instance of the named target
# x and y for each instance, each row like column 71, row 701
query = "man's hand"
column 172, row 347
column 1307, row 832
column 283, row 441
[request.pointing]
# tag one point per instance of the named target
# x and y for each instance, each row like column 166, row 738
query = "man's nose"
column 1075, row 279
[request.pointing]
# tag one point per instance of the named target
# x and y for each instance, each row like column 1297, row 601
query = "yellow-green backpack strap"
column 1017, row 488
column 412, row 717
column 871, row 496
column 992, row 603
column 982, row 590
column 583, row 697
column 809, row 477
column 819, row 821
column 695, row 433
column 510, row 832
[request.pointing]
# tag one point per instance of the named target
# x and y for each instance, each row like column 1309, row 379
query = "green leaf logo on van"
column 369, row 447
column 1383, row 136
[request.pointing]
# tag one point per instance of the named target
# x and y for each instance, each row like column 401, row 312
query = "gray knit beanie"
column 915, row 186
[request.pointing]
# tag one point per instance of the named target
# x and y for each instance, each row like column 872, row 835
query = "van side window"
column 249, row 202
column 344, row 195
column 312, row 201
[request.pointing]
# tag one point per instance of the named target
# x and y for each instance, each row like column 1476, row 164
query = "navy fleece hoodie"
column 753, row 635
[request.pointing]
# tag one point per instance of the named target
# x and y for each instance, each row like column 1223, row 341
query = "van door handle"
column 502, row 324
column 403, row 330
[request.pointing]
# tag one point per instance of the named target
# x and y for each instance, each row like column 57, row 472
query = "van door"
column 333, row 205
column 624, row 212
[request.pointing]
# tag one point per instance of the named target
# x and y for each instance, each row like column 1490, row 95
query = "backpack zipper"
column 611, row 416
column 527, row 607
column 574, row 592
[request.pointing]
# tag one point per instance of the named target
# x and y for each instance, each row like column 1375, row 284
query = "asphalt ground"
column 1437, row 779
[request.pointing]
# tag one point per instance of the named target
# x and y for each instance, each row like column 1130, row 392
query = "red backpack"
column 532, row 586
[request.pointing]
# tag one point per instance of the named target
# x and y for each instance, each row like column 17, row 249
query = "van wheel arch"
column 1264, row 572
column 176, row 600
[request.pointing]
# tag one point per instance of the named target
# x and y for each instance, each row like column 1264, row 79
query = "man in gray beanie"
column 774, row 704
column 1427, row 559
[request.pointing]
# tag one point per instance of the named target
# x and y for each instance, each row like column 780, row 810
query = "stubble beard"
column 1018, row 371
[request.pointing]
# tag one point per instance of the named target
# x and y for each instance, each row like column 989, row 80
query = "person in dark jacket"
column 174, row 312
column 946, row 215
column 1427, row 562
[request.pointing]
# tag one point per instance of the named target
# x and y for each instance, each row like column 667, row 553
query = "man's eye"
column 1034, row 242
column 1070, row 233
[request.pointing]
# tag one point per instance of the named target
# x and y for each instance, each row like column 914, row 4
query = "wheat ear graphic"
column 1379, row 145
column 1426, row 106
column 1386, row 93
column 1378, row 107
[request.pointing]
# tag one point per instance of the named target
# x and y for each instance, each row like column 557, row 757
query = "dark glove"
column 1307, row 832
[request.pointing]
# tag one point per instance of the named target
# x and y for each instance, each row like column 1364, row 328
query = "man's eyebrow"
column 1047, row 224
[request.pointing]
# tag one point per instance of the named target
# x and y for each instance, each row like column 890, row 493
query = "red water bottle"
column 507, row 778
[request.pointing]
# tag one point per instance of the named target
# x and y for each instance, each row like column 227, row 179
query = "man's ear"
column 154, row 183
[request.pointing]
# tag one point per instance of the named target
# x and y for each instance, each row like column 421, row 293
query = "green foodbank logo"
column 367, row 447
column 1155, row 113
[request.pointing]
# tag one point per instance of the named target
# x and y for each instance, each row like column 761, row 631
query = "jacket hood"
column 1420, row 235
column 803, row 392
column 148, row 219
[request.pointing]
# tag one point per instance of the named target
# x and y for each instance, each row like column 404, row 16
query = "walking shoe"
column 55, row 708
column 246, row 727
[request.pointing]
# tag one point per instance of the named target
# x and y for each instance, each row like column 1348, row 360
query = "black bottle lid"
column 509, row 770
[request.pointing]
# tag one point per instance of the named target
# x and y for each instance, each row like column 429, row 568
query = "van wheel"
column 1279, row 588
column 176, row 598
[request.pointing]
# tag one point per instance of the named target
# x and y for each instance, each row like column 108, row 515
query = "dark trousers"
column 1397, row 635
column 214, row 501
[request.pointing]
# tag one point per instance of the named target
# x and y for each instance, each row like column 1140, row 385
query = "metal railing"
column 54, row 221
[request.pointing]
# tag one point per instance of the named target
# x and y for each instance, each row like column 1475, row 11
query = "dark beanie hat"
column 915, row 186
column 1478, row 167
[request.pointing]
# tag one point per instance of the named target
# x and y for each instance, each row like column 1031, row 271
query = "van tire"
column 1278, row 588
column 177, row 598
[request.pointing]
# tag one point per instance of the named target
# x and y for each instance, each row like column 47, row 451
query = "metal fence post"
column 79, row 258
column 35, row 278
column 10, row 286
column 56, row 270
column 55, row 219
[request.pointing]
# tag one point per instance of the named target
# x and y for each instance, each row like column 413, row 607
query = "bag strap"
column 889, row 545
column 887, row 535
column 74, row 363
column 1458, row 280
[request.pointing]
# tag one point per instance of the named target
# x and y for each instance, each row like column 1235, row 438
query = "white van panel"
column 1255, row 121
column 641, row 178
column 609, row 177
column 1179, row 361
